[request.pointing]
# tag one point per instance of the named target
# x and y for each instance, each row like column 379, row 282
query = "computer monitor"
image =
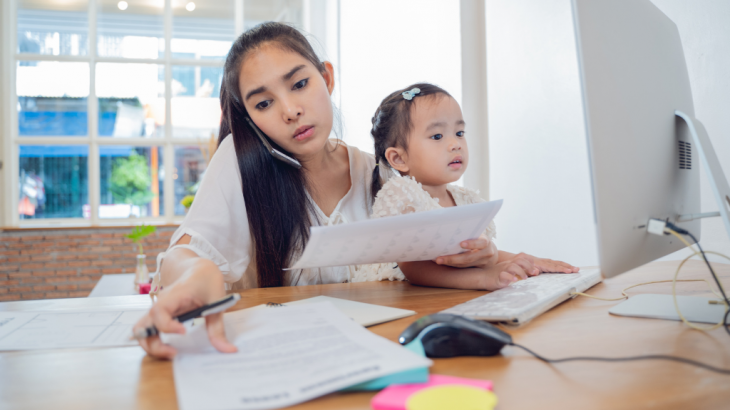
column 645, row 147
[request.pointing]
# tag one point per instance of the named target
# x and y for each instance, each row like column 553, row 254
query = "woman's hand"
column 201, row 284
column 480, row 253
column 543, row 265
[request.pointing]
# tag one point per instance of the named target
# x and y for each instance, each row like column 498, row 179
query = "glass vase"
column 142, row 274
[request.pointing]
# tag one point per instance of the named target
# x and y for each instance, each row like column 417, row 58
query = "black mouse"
column 447, row 335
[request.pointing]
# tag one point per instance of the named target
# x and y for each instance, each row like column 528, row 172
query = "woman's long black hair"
column 275, row 193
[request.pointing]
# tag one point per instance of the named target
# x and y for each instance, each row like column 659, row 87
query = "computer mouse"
column 447, row 335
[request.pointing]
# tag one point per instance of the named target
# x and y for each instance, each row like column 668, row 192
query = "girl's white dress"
column 403, row 195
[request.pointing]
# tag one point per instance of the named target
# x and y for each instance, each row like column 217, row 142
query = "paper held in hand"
column 411, row 237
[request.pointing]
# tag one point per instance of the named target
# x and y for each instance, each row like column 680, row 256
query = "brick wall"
column 67, row 263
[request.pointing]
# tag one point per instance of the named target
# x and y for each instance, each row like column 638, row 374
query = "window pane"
column 52, row 98
column 131, row 99
column 53, row 181
column 53, row 27
column 258, row 11
column 196, row 110
column 202, row 30
column 131, row 28
column 131, row 181
column 190, row 165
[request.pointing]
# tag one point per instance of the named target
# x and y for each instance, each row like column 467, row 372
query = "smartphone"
column 273, row 151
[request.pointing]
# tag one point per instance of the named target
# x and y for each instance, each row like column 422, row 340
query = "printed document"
column 285, row 356
column 55, row 330
column 412, row 237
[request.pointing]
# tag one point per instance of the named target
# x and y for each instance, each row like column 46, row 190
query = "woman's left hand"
column 480, row 253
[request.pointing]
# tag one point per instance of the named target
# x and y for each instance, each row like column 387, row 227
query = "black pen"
column 213, row 307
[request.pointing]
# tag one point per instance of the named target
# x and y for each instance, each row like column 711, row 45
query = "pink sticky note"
column 395, row 397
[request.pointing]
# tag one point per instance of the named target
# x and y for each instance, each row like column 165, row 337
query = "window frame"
column 11, row 141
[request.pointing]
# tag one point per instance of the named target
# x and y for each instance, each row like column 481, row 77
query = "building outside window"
column 114, row 103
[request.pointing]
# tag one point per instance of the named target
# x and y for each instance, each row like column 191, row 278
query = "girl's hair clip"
column 408, row 95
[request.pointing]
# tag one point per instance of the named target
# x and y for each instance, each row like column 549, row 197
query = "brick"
column 44, row 245
column 19, row 289
column 77, row 236
column 112, row 255
column 44, row 288
column 33, row 238
column 66, row 287
column 66, row 273
column 56, row 295
column 29, row 281
column 112, row 270
column 55, row 264
column 91, row 271
column 28, row 266
column 18, row 259
column 101, row 235
column 19, row 245
column 8, row 268
column 5, row 298
column 110, row 242
column 9, row 253
column 31, row 251
column 79, row 294
column 9, row 239
column 102, row 262
column 32, row 296
column 66, row 257
column 18, row 275
column 87, row 285
column 9, row 282
column 101, row 249
column 78, row 264
column 44, row 273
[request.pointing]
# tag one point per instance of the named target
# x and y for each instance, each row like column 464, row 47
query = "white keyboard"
column 522, row 301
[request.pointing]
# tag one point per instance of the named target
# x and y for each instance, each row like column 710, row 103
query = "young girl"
column 252, row 213
column 419, row 132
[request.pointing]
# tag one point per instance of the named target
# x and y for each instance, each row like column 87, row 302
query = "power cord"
column 625, row 359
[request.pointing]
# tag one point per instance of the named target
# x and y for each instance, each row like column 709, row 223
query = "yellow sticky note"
column 452, row 397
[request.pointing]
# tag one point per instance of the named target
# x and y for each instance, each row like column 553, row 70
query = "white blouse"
column 404, row 195
column 218, row 224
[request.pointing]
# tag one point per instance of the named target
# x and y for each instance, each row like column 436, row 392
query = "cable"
column 626, row 295
column 626, row 359
column 676, row 231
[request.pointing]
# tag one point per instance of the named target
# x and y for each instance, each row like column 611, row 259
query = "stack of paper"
column 285, row 356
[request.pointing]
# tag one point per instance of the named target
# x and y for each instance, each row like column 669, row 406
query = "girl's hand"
column 481, row 253
column 547, row 265
column 189, row 292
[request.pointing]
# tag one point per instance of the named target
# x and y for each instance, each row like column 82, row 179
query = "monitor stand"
column 694, row 308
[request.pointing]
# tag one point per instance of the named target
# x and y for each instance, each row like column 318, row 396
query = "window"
column 115, row 104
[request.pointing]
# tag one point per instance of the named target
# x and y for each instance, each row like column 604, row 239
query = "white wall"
column 705, row 32
column 537, row 139
column 538, row 155
column 386, row 45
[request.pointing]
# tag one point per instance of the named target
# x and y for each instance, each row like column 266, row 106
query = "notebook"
column 365, row 314
column 524, row 300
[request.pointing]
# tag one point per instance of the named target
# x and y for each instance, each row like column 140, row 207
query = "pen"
column 213, row 307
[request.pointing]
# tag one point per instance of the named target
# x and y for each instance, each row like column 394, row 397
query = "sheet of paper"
column 411, row 237
column 285, row 356
column 365, row 314
column 54, row 330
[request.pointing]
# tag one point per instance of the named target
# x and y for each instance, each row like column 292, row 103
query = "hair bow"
column 408, row 95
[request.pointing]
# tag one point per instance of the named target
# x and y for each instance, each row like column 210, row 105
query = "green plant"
column 130, row 180
column 139, row 233
column 187, row 201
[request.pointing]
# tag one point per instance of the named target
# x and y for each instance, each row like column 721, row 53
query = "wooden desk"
column 125, row 378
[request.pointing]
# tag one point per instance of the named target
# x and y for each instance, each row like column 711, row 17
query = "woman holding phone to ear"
column 252, row 213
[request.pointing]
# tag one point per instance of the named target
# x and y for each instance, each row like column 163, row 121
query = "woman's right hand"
column 199, row 285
